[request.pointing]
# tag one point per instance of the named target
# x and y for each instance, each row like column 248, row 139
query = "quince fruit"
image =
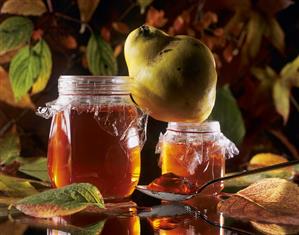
column 174, row 77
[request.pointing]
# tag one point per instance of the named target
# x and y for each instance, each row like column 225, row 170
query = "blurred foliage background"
column 254, row 42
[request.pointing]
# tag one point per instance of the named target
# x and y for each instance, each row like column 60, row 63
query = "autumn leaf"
column 24, row 7
column 275, row 229
column 43, row 51
column 120, row 27
column 31, row 66
column 143, row 5
column 9, row 148
column 155, row 18
column 16, row 187
column 62, row 201
column 275, row 34
column 35, row 167
column 14, row 32
column 7, row 96
column 100, row 58
column 87, row 8
column 281, row 97
column 270, row 200
column 290, row 73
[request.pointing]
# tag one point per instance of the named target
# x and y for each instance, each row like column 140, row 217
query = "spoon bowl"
column 171, row 196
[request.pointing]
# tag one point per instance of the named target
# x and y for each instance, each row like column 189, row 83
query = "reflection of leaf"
column 35, row 167
column 87, row 8
column 12, row 228
column 270, row 200
column 14, row 32
column 143, row 5
column 6, row 93
column 62, row 201
column 275, row 229
column 100, row 58
column 24, row 7
column 45, row 56
column 227, row 112
column 16, row 187
column 9, row 148
column 281, row 97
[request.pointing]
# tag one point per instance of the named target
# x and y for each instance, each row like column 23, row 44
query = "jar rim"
column 93, row 85
column 193, row 127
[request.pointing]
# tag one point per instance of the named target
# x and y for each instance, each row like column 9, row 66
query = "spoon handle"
column 248, row 172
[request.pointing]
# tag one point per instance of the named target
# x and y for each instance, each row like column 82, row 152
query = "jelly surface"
column 99, row 147
column 195, row 162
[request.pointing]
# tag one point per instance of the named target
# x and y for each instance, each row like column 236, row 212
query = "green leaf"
column 227, row 112
column 30, row 65
column 16, row 187
column 24, row 7
column 275, row 34
column 9, row 149
column 14, row 32
column 143, row 5
column 281, row 97
column 43, row 50
column 62, row 201
column 35, row 167
column 100, row 58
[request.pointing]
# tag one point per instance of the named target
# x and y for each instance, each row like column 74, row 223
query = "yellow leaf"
column 268, row 159
column 281, row 97
column 275, row 229
column 87, row 8
column 6, row 93
column 271, row 200
column 290, row 72
column 24, row 7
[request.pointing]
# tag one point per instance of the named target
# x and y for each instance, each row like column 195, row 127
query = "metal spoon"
column 170, row 196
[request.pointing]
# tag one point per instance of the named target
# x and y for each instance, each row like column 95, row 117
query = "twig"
column 279, row 135
column 50, row 5
column 294, row 102
column 69, row 18
column 127, row 11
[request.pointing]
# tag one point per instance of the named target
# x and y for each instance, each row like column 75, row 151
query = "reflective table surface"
column 148, row 216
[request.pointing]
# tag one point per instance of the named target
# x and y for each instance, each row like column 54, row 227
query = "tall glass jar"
column 195, row 153
column 96, row 135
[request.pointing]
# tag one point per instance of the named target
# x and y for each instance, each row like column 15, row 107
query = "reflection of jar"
column 195, row 152
column 94, row 135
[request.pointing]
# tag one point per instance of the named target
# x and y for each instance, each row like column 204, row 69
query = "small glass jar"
column 195, row 152
column 96, row 135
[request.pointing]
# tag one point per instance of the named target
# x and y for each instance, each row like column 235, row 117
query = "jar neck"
column 94, row 86
column 194, row 128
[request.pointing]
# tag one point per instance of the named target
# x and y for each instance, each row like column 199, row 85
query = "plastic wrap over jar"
column 195, row 152
column 96, row 134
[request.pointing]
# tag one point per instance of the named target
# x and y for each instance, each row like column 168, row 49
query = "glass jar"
column 195, row 153
column 96, row 135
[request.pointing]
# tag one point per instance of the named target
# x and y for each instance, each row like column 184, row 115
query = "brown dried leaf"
column 118, row 49
column 120, row 27
column 6, row 93
column 24, row 7
column 271, row 200
column 155, row 18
